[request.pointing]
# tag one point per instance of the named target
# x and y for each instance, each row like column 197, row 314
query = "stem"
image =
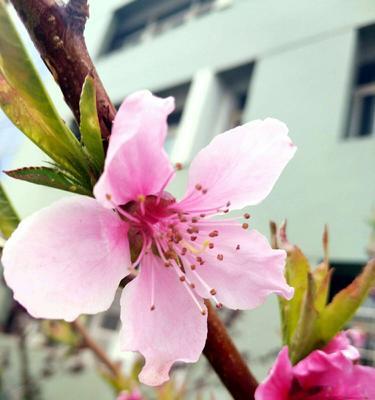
column 100, row 354
column 57, row 32
column 226, row 360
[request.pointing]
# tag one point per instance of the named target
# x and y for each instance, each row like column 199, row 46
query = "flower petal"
column 67, row 259
column 244, row 277
column 240, row 166
column 136, row 163
column 279, row 381
column 174, row 331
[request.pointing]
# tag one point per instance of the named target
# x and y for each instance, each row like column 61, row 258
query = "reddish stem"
column 226, row 360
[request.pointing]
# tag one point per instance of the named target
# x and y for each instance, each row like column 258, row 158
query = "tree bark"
column 57, row 32
column 226, row 360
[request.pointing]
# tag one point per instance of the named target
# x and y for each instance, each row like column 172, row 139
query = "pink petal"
column 278, row 383
column 240, row 165
column 136, row 162
column 174, row 331
column 67, row 259
column 245, row 277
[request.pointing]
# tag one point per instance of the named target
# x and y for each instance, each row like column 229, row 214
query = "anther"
column 211, row 245
column 192, row 238
column 141, row 198
column 194, row 220
column 246, row 215
column 152, row 308
column 167, row 264
column 192, row 285
column 108, row 197
column 182, row 278
column 203, row 312
column 213, row 292
column 228, row 204
column 226, row 211
column 183, row 251
column 245, row 225
column 220, row 257
column 198, row 186
column 204, row 191
column 178, row 166
column 214, row 233
column 202, row 215
column 192, row 266
column 238, row 247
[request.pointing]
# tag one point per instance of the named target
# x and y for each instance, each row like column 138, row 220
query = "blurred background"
column 310, row 64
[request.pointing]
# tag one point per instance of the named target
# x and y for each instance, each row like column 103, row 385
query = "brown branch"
column 57, row 32
column 226, row 360
column 95, row 348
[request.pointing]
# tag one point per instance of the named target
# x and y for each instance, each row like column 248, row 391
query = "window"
column 142, row 19
column 362, row 118
column 236, row 82
column 364, row 319
column 179, row 93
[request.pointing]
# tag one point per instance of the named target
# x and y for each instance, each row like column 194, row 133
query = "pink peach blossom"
column 69, row 258
column 134, row 395
column 328, row 374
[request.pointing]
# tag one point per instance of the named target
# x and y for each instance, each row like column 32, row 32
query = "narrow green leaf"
column 304, row 336
column 89, row 125
column 8, row 217
column 346, row 302
column 322, row 277
column 51, row 177
column 25, row 101
column 296, row 270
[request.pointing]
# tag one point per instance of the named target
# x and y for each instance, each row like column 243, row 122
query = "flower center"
column 180, row 236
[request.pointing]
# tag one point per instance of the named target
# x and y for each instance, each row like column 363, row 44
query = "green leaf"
column 8, row 217
column 296, row 270
column 322, row 277
column 346, row 302
column 89, row 125
column 51, row 177
column 27, row 104
column 304, row 336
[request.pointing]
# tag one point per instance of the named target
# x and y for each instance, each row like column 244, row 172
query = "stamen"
column 152, row 307
column 189, row 286
column 145, row 246
column 220, row 257
column 122, row 212
column 238, row 247
column 193, row 249
column 164, row 185
column 245, row 225
column 198, row 186
column 209, row 289
column 246, row 215
column 178, row 166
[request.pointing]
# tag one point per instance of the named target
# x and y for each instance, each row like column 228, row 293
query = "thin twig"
column 100, row 354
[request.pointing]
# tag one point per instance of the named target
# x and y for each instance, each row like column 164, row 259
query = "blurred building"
column 310, row 64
